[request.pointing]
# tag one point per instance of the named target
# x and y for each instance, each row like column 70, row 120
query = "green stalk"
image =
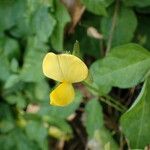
column 107, row 99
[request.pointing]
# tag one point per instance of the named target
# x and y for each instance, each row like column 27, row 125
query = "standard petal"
column 51, row 67
column 62, row 95
column 73, row 68
column 64, row 67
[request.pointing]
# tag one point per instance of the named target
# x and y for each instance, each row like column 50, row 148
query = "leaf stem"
column 116, row 102
column 107, row 99
column 111, row 104
column 114, row 19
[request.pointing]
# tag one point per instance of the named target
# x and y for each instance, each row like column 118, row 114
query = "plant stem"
column 115, row 102
column 107, row 99
column 111, row 104
column 114, row 19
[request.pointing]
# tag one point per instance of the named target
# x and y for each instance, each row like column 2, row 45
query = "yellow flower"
column 67, row 69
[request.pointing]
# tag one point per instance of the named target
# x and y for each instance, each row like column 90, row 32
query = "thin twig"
column 114, row 19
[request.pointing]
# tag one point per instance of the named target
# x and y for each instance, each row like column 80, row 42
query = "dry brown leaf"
column 76, row 10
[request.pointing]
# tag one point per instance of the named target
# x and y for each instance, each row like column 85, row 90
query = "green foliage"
column 25, row 34
column 119, row 68
column 137, row 3
column 43, row 23
column 98, row 7
column 33, row 61
column 31, row 28
column 62, row 17
column 125, row 26
column 95, row 126
column 135, row 122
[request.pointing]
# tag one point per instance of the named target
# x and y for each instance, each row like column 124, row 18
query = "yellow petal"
column 64, row 67
column 62, row 95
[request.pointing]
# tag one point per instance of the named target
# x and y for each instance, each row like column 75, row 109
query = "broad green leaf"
column 125, row 26
column 124, row 67
column 12, row 10
column 36, row 132
column 23, row 27
column 17, row 99
column 93, row 123
column 98, row 135
column 135, row 122
column 21, row 141
column 32, row 67
column 14, row 65
column 137, row 3
column 97, row 7
column 42, row 90
column 62, row 17
column 43, row 23
column 36, row 19
column 10, row 47
column 11, row 81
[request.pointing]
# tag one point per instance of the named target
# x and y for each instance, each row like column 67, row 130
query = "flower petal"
column 62, row 95
column 64, row 67
column 51, row 67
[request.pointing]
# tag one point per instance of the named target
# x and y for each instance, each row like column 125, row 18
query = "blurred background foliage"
column 96, row 120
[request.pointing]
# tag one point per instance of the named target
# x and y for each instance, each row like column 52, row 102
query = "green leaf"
column 11, row 81
column 62, row 17
column 97, row 7
column 17, row 99
column 32, row 67
column 10, row 47
column 14, row 65
column 43, row 23
column 4, row 67
column 23, row 26
column 137, row 3
column 124, row 67
column 93, row 123
column 13, row 11
column 42, row 90
column 36, row 132
column 99, row 136
column 21, row 141
column 125, row 26
column 135, row 122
